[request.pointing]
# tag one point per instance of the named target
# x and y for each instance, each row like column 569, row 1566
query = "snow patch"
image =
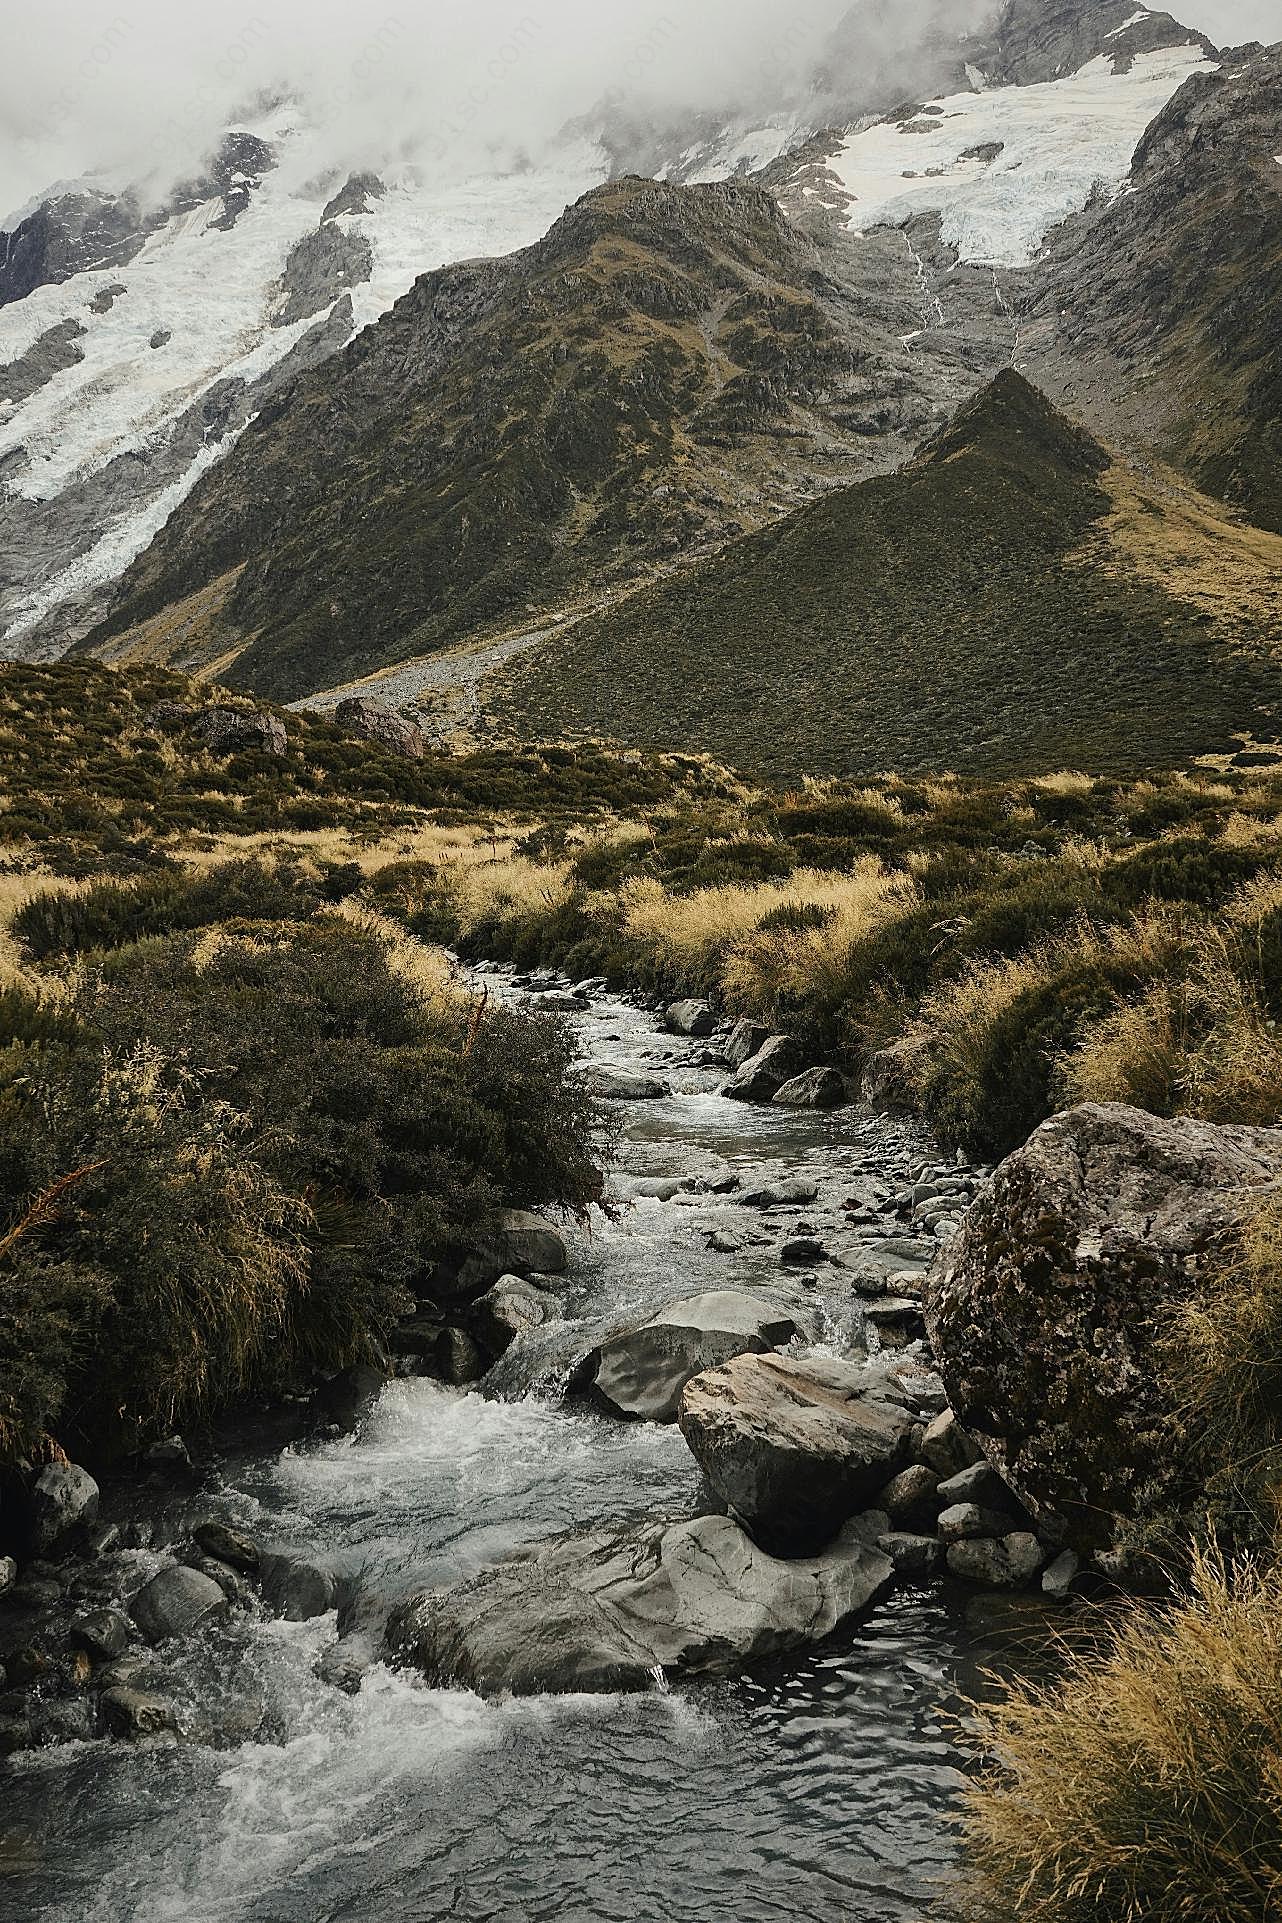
column 1061, row 141
column 212, row 291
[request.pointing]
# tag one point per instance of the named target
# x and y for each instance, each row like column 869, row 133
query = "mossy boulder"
column 1049, row 1309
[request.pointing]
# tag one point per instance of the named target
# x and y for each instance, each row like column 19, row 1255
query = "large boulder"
column 374, row 721
column 1047, row 1309
column 795, row 1446
column 641, row 1372
column 889, row 1079
column 227, row 731
column 64, row 1498
column 694, row 1018
column 762, row 1076
column 816, row 1088
column 743, row 1041
column 514, row 1242
column 608, row 1609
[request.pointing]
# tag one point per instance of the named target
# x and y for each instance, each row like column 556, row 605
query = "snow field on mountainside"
column 212, row 290
column 1060, row 140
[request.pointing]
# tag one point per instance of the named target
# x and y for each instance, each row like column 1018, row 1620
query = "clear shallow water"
column 817, row 1791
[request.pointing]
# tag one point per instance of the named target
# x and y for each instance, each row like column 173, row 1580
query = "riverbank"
column 440, row 1483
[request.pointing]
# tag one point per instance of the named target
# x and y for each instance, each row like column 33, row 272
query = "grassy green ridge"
column 934, row 619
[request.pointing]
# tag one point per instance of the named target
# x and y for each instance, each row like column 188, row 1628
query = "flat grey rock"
column 609, row 1609
column 641, row 1372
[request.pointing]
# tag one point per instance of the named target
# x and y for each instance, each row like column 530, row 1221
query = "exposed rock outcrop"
column 373, row 721
column 1047, row 1309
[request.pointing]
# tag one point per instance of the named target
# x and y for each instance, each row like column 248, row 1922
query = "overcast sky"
column 146, row 85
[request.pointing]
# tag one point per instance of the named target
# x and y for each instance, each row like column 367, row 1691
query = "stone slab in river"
column 606, row 1609
column 795, row 1447
column 641, row 1372
column 1046, row 1309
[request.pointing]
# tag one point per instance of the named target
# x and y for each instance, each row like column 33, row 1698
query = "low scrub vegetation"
column 1041, row 942
column 233, row 1153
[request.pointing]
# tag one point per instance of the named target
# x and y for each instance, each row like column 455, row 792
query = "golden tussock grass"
column 15, row 891
column 1144, row 1785
column 716, row 935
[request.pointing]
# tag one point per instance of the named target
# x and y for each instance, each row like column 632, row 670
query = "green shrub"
column 285, row 1137
column 1188, row 868
column 112, row 914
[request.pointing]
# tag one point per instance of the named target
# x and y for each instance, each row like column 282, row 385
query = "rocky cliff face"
column 1156, row 314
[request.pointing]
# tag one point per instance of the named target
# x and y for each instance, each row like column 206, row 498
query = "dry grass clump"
column 990, row 1044
column 1201, row 1039
column 1225, row 1355
column 1146, row 1783
column 763, row 943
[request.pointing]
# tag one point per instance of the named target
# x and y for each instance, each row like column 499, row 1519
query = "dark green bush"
column 1188, row 868
column 112, row 913
column 283, row 1141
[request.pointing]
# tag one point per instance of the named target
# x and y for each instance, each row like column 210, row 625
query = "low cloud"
column 143, row 89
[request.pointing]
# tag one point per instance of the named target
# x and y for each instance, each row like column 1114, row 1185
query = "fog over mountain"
column 136, row 88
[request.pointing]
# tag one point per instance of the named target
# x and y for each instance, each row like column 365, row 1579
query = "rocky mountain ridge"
column 117, row 411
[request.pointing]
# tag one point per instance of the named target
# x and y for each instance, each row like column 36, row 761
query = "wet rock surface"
column 641, row 1372
column 794, row 1447
column 605, row 1610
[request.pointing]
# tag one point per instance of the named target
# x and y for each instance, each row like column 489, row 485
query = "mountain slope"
column 136, row 344
column 999, row 605
column 1157, row 315
column 668, row 366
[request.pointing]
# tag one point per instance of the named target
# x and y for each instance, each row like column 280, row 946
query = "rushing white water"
column 817, row 1790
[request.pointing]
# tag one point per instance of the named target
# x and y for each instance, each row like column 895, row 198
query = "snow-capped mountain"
column 137, row 343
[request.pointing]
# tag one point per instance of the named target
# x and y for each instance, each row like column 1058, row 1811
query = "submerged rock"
column 346, row 1401
column 623, row 1085
column 1048, row 1309
column 136, row 1712
column 608, row 1609
column 175, row 1601
column 641, row 1372
column 795, row 1447
column 296, row 1589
